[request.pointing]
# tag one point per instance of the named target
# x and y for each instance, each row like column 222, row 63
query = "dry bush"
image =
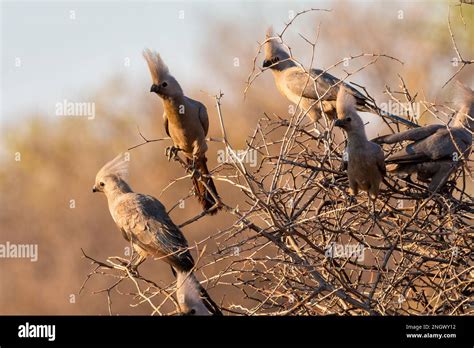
column 301, row 245
column 415, row 255
column 257, row 266
column 411, row 251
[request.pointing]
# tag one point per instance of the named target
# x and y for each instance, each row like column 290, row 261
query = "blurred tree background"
column 60, row 156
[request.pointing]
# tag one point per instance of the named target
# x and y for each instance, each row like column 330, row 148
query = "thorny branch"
column 459, row 58
column 416, row 253
column 299, row 244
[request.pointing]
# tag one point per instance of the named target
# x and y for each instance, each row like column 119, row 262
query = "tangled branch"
column 300, row 244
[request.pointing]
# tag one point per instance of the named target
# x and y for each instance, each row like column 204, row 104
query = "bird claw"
column 171, row 152
column 132, row 269
column 129, row 264
column 352, row 199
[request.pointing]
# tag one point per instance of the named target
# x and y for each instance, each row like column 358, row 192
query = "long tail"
column 193, row 299
column 209, row 302
column 366, row 105
column 205, row 197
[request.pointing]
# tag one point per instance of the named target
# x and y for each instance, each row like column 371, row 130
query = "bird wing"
column 203, row 118
column 297, row 79
column 411, row 134
column 147, row 224
column 379, row 158
column 408, row 155
column 439, row 145
column 332, row 80
column 447, row 142
column 166, row 124
column 201, row 110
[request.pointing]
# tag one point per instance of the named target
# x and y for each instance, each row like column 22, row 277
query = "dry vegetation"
column 267, row 252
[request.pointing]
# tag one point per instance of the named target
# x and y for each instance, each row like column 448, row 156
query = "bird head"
column 111, row 178
column 164, row 84
column 167, row 87
column 347, row 117
column 275, row 53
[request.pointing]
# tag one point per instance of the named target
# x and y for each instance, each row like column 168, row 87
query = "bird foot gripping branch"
column 129, row 265
column 145, row 223
column 171, row 152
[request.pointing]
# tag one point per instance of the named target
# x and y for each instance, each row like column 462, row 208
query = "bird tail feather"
column 369, row 107
column 192, row 297
column 206, row 199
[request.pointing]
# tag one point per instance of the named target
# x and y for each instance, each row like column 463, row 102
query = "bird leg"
column 136, row 261
column 352, row 195
column 194, row 172
column 171, row 152
column 352, row 198
column 371, row 204
column 132, row 263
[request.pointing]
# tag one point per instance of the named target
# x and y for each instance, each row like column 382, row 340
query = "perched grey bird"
column 294, row 83
column 187, row 123
column 144, row 222
column 365, row 160
column 436, row 150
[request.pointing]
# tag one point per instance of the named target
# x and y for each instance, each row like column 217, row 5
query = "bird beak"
column 267, row 63
column 339, row 123
column 94, row 189
column 154, row 88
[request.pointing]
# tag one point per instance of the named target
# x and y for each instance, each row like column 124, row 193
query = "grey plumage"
column 435, row 150
column 186, row 122
column 294, row 83
column 365, row 162
column 144, row 222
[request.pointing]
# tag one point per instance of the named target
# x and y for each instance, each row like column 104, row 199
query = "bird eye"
column 348, row 119
column 164, row 84
column 102, row 184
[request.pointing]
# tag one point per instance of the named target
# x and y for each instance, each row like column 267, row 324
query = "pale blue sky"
column 64, row 58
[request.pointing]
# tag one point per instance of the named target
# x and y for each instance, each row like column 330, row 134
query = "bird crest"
column 345, row 103
column 273, row 47
column 118, row 166
column 464, row 100
column 158, row 68
column 464, row 95
column 269, row 32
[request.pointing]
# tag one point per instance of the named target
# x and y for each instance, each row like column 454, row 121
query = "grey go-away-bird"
column 365, row 159
column 144, row 222
column 187, row 123
column 294, row 83
column 436, row 150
